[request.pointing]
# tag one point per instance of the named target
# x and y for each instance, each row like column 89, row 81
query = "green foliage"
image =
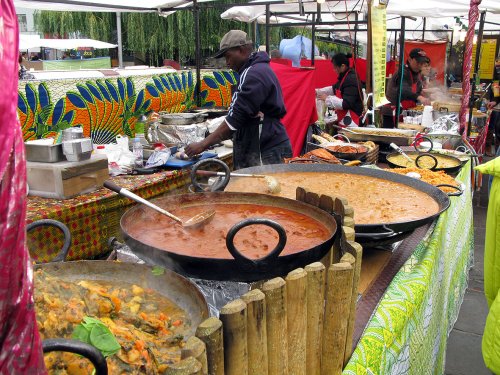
column 154, row 36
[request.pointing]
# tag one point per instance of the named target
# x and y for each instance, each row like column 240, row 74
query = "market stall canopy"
column 103, row 5
column 32, row 41
column 332, row 10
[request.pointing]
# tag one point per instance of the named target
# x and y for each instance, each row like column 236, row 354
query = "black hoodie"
column 258, row 90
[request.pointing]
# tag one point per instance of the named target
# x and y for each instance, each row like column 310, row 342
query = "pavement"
column 463, row 354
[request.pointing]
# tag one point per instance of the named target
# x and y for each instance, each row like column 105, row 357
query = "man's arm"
column 220, row 134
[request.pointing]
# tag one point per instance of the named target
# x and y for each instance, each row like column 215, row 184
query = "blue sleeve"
column 247, row 99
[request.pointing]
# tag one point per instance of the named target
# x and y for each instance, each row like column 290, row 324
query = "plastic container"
column 138, row 152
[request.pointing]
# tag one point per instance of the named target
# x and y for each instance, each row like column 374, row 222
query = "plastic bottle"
column 140, row 129
column 483, row 106
column 138, row 153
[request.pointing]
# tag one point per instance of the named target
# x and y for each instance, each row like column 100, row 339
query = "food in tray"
column 380, row 132
column 374, row 200
column 303, row 232
column 431, row 177
column 443, row 162
column 369, row 144
column 148, row 327
column 348, row 148
column 318, row 155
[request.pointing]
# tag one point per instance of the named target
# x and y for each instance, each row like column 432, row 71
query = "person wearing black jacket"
column 411, row 87
column 256, row 108
column 345, row 96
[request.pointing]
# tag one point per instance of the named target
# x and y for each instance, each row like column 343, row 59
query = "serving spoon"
column 196, row 221
column 401, row 152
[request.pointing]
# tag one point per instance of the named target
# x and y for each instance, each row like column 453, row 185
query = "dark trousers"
column 276, row 154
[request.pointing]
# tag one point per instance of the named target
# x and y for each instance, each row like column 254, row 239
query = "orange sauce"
column 374, row 200
column 209, row 241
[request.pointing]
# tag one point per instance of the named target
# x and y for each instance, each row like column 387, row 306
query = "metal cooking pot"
column 374, row 231
column 240, row 268
column 169, row 284
column 422, row 155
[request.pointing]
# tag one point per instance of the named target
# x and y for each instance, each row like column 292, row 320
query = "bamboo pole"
column 348, row 233
column 196, row 348
column 188, row 366
column 210, row 332
column 296, row 297
column 338, row 302
column 349, row 211
column 256, row 332
column 234, row 330
column 349, row 222
column 277, row 343
column 358, row 255
column 316, row 273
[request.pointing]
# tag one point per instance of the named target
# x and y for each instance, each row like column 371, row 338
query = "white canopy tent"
column 27, row 42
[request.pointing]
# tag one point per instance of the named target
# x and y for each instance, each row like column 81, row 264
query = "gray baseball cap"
column 233, row 38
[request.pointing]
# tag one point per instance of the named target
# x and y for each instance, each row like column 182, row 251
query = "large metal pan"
column 168, row 284
column 419, row 156
column 375, row 231
column 397, row 136
column 240, row 268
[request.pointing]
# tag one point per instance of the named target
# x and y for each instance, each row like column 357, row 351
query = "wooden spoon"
column 194, row 222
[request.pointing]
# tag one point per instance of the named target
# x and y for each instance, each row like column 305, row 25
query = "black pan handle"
column 417, row 159
column 417, row 141
column 459, row 189
column 112, row 186
column 378, row 235
column 220, row 184
column 74, row 346
column 61, row 256
column 240, row 258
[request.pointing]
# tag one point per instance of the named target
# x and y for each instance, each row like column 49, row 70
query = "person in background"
column 275, row 54
column 411, row 86
column 256, row 110
column 345, row 96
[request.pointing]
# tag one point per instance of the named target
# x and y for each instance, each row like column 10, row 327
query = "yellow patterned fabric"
column 408, row 331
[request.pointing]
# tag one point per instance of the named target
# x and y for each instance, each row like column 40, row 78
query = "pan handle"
column 417, row 159
column 74, row 346
column 419, row 140
column 377, row 236
column 240, row 258
column 61, row 256
column 459, row 189
column 220, row 184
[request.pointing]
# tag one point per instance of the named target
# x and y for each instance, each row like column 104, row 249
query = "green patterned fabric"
column 408, row 331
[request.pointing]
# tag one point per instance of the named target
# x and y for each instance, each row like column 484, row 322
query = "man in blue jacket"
column 256, row 108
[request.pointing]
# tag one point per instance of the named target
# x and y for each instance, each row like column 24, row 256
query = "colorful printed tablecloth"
column 408, row 331
column 92, row 218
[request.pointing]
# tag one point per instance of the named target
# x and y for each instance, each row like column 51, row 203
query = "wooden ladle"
column 196, row 221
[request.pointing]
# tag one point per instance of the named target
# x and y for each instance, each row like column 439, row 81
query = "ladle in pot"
column 194, row 222
column 401, row 152
column 273, row 185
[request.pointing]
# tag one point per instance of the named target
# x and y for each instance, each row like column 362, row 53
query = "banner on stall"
column 379, row 50
column 486, row 59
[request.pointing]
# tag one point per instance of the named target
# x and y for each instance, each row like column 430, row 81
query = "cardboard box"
column 67, row 179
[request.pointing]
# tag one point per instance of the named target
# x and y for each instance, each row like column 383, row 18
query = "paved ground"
column 463, row 355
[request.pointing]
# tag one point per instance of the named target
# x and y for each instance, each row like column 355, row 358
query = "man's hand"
column 490, row 105
column 424, row 100
column 195, row 148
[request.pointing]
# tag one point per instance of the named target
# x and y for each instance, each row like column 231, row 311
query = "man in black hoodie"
column 257, row 106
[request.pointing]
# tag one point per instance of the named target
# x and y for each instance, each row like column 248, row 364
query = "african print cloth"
column 408, row 332
column 108, row 107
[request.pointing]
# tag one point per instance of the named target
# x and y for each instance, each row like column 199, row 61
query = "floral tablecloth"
column 92, row 218
column 408, row 331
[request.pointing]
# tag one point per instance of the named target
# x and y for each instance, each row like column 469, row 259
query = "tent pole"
column 196, row 14
column 119, row 36
column 356, row 36
column 423, row 29
column 476, row 66
column 313, row 38
column 268, row 21
column 401, row 68
column 369, row 56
